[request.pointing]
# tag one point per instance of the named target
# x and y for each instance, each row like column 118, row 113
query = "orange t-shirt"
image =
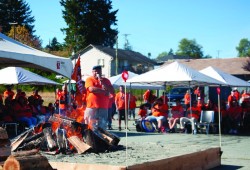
column 187, row 98
column 96, row 100
column 8, row 94
column 120, row 100
column 160, row 110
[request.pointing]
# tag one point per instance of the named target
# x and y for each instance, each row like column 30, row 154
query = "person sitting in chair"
column 159, row 114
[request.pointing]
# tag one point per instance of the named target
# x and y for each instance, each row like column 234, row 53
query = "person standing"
column 120, row 102
column 97, row 100
column 132, row 106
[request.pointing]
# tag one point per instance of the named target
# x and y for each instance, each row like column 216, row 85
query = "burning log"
column 96, row 141
column 51, row 144
column 20, row 162
column 61, row 140
column 112, row 138
column 5, row 149
column 19, row 139
column 79, row 145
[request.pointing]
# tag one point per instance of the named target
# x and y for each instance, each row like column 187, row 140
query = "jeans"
column 96, row 117
column 30, row 121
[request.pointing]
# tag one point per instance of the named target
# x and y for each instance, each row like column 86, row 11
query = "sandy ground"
column 139, row 147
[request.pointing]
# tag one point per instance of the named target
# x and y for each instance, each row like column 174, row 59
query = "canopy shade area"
column 226, row 78
column 17, row 75
column 14, row 53
column 175, row 74
column 117, row 80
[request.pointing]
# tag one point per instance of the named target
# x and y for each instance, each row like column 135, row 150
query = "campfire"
column 65, row 135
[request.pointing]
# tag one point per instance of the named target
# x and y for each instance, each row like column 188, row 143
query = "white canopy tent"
column 17, row 75
column 117, row 80
column 14, row 53
column 226, row 78
column 175, row 74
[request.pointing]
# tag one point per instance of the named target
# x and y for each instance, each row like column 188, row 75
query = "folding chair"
column 206, row 120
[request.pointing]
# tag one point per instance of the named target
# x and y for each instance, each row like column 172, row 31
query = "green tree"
column 15, row 11
column 89, row 22
column 171, row 52
column 243, row 48
column 161, row 55
column 54, row 45
column 189, row 48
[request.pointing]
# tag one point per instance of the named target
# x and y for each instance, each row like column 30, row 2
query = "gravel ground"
column 141, row 147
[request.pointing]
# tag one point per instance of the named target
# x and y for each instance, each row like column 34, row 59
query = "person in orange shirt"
column 159, row 114
column 234, row 117
column 231, row 98
column 120, row 101
column 187, row 99
column 36, row 95
column 176, row 113
column 8, row 92
column 97, row 99
column 164, row 98
column 132, row 105
column 63, row 100
column 110, row 110
column 143, row 109
column 149, row 97
column 192, row 117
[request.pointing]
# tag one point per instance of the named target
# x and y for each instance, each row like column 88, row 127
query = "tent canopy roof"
column 226, row 78
column 175, row 74
column 17, row 75
column 14, row 53
column 117, row 80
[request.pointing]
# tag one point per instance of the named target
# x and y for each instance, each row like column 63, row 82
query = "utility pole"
column 218, row 51
column 116, row 56
column 126, row 44
column 14, row 23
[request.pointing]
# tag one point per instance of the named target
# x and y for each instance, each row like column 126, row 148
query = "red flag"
column 77, row 76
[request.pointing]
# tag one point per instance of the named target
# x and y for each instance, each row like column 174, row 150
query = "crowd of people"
column 233, row 112
column 97, row 103
column 28, row 110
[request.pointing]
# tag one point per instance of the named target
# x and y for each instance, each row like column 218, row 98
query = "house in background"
column 106, row 57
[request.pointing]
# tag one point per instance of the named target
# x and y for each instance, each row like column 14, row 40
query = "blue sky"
column 155, row 26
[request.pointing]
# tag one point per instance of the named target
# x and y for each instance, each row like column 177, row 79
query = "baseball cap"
column 98, row 67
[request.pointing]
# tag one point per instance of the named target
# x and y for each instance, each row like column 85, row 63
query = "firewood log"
column 96, row 141
column 36, row 162
column 49, row 138
column 79, row 145
column 61, row 139
column 112, row 138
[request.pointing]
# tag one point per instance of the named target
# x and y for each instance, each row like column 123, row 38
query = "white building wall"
column 90, row 59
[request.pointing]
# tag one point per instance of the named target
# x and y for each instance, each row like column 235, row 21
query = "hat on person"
column 235, row 88
column 98, row 67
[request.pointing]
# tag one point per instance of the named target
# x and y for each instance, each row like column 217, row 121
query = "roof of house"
column 232, row 66
column 121, row 54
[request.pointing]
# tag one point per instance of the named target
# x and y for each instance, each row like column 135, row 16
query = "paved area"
column 236, row 148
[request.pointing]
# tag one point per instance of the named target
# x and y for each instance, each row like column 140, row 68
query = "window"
column 100, row 62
